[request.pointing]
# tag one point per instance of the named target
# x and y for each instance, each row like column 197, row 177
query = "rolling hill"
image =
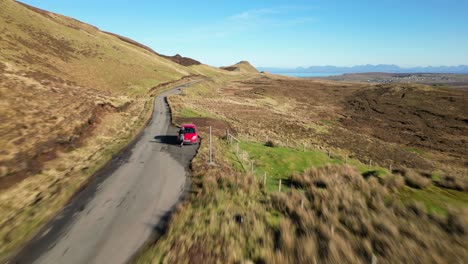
column 242, row 67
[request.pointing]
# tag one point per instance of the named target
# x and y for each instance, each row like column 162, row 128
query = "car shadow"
column 167, row 139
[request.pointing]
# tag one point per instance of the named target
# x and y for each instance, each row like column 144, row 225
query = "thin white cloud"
column 297, row 21
column 254, row 13
column 269, row 12
column 246, row 21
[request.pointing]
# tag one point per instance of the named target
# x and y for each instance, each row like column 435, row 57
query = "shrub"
column 371, row 173
column 393, row 181
column 456, row 222
column 415, row 180
column 453, row 182
column 349, row 220
column 286, row 235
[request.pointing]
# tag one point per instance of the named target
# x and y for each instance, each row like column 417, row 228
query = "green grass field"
column 281, row 162
column 436, row 200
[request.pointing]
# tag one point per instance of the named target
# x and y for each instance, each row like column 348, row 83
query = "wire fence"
column 332, row 154
column 247, row 163
column 262, row 176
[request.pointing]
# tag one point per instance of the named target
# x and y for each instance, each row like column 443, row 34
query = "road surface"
column 118, row 211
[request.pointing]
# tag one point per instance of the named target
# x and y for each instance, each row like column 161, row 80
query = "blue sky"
column 287, row 33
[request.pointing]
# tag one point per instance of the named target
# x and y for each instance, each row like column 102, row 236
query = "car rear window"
column 189, row 130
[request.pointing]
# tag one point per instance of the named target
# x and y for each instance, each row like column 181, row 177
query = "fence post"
column 211, row 148
column 279, row 186
column 264, row 180
column 370, row 163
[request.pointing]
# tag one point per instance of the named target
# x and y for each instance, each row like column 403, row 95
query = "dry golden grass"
column 366, row 219
column 415, row 180
column 458, row 182
column 71, row 97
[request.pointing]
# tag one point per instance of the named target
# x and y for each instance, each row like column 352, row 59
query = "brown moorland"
column 415, row 212
column 415, row 126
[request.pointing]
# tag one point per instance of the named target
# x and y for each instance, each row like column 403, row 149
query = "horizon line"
column 347, row 66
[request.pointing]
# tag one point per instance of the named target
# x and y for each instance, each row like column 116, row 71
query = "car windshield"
column 189, row 130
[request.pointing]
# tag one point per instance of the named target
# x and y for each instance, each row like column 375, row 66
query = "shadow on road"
column 167, row 139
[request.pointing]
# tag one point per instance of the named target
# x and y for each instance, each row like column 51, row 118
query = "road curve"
column 109, row 220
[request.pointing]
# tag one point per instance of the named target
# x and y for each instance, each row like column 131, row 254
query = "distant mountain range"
column 390, row 68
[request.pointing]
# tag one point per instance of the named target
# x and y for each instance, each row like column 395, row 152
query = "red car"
column 188, row 134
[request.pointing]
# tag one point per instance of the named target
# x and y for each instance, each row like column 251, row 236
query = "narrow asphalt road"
column 118, row 211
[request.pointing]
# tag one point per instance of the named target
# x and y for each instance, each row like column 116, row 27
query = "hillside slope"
column 71, row 97
column 57, row 74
